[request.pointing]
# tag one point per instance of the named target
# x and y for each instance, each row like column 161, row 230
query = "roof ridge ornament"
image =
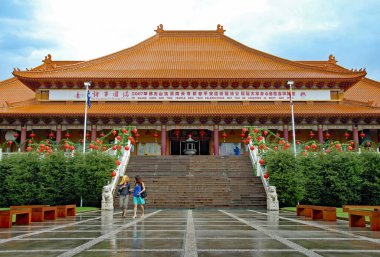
column 332, row 59
column 219, row 28
column 160, row 28
column 48, row 63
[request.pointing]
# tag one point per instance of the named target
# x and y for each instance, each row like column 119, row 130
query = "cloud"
column 87, row 29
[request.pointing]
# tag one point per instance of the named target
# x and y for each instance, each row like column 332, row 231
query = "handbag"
column 144, row 194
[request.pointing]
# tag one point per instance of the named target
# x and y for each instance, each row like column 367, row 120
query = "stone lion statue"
column 107, row 193
column 272, row 201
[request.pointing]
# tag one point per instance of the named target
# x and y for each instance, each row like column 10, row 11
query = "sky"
column 291, row 29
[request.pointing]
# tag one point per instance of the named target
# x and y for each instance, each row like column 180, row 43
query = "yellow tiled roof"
column 190, row 55
column 12, row 90
column 366, row 91
column 122, row 109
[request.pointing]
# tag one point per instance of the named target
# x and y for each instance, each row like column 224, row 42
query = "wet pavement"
column 203, row 233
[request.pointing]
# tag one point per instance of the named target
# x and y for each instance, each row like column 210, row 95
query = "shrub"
column 54, row 179
column 285, row 175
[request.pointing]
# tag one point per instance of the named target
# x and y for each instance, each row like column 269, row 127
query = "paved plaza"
column 203, row 233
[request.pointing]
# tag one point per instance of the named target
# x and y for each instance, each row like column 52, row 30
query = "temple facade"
column 178, row 85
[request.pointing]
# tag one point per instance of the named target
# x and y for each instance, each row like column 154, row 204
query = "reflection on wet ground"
column 202, row 233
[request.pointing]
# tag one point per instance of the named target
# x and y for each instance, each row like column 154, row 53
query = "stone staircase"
column 198, row 181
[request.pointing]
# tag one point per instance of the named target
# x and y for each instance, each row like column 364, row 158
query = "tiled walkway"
column 232, row 233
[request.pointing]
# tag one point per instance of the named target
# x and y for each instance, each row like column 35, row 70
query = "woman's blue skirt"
column 138, row 200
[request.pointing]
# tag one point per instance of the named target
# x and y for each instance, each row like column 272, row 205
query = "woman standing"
column 137, row 199
column 124, row 190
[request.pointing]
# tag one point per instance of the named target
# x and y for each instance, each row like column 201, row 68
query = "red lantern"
column 350, row 148
column 244, row 130
column 114, row 147
column 246, row 142
column 155, row 135
column 249, row 138
column 262, row 161
column 202, row 133
column 311, row 135
column 51, row 135
column 114, row 132
column 104, row 148
column 16, row 135
column 337, row 146
column 67, row 146
column 118, row 138
column 287, row 145
column 307, row 148
column 346, row 135
column 10, row 142
column 87, row 134
column 102, row 134
column 30, row 141
column 260, row 138
column 275, row 148
column 72, row 148
column 242, row 135
column 298, row 142
column 67, row 135
column 96, row 147
column 42, row 146
column 137, row 135
column 32, row 135
column 113, row 173
column 124, row 131
column 314, row 146
column 126, row 148
column 29, row 149
column 255, row 130
column 119, row 147
column 266, row 176
column 134, row 130
column 362, row 135
column 252, row 148
column 327, row 135
column 91, row 146
column 265, row 132
column 328, row 151
column 224, row 135
column 47, row 148
column 177, row 133
column 118, row 162
column 261, row 147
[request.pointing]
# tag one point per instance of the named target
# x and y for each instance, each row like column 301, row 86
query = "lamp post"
column 290, row 83
column 87, row 85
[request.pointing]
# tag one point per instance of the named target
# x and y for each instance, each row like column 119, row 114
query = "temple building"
column 181, row 84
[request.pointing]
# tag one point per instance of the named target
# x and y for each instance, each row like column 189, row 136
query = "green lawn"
column 339, row 212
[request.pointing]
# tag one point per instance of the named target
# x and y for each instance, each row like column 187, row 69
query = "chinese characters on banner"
column 190, row 95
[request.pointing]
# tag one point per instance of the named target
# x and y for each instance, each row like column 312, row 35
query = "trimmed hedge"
column 331, row 179
column 54, row 179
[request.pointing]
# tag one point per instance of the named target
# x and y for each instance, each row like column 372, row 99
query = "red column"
column 320, row 134
column 23, row 138
column 58, row 137
column 355, row 134
column 216, row 140
column 163, row 140
column 286, row 132
column 93, row 132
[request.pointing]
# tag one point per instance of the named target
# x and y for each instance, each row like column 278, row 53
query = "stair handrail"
column 120, row 171
column 270, row 191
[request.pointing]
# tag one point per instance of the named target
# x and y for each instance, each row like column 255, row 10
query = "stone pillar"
column 58, row 137
column 286, row 132
column 216, row 140
column 93, row 132
column 320, row 134
column 163, row 139
column 355, row 134
column 23, row 138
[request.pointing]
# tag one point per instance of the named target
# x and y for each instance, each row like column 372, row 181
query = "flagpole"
column 87, row 84
column 290, row 83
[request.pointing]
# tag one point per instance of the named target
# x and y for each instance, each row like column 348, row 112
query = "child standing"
column 124, row 190
column 137, row 199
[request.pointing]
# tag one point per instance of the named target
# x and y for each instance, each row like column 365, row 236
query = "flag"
column 88, row 99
